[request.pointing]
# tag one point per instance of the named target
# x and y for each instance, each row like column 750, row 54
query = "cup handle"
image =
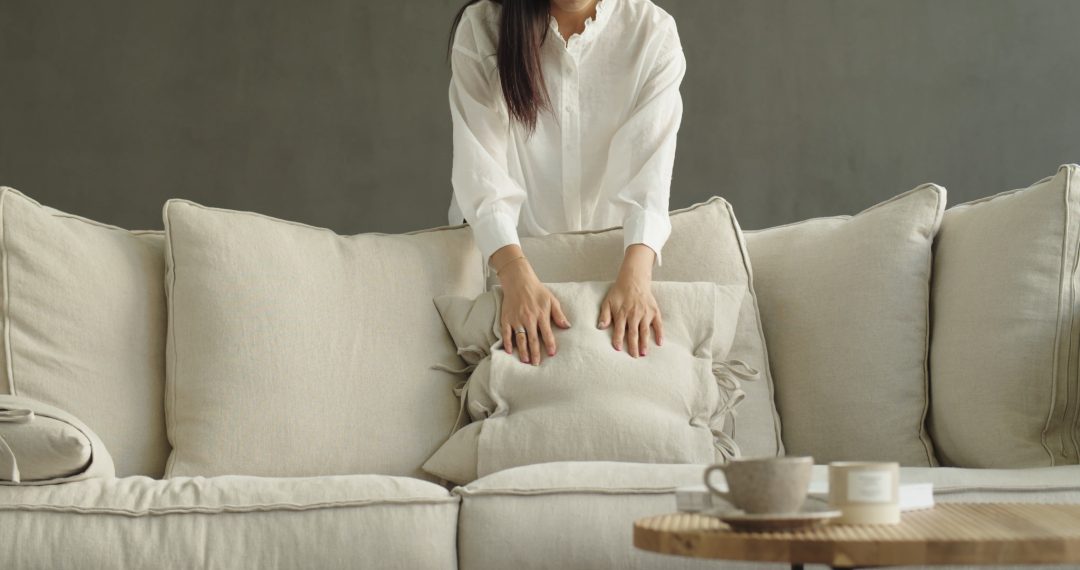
column 724, row 495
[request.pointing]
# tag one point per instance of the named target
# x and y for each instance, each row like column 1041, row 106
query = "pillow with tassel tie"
column 590, row 402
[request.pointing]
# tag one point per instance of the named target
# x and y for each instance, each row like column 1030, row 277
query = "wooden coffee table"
column 950, row 533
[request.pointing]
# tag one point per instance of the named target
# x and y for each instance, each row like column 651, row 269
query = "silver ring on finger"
column 519, row 330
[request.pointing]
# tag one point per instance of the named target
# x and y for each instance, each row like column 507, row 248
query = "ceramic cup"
column 771, row 485
column 865, row 493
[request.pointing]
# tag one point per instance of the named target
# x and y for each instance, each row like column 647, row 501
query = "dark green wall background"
column 334, row 112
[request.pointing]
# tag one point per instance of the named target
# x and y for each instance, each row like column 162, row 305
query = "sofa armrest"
column 44, row 445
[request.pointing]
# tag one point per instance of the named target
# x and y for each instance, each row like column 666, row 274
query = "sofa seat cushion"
column 570, row 515
column 580, row 514
column 230, row 522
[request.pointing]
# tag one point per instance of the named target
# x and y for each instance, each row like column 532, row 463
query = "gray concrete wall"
column 334, row 112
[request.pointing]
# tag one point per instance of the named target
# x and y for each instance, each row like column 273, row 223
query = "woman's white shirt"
column 602, row 157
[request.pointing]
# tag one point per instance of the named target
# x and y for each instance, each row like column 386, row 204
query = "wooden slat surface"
column 950, row 533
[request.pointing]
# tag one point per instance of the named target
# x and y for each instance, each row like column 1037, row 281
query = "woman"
column 565, row 116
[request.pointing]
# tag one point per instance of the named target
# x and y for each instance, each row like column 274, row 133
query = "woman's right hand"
column 527, row 305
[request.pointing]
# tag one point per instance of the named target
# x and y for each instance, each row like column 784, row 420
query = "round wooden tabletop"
column 949, row 533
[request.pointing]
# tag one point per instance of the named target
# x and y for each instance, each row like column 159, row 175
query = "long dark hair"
column 523, row 27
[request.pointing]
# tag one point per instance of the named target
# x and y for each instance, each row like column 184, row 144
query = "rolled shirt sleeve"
column 644, row 147
column 490, row 200
column 494, row 232
column 648, row 228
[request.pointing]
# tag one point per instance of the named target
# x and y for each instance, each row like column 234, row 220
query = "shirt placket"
column 570, row 117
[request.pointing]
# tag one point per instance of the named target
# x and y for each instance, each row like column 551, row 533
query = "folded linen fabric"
column 590, row 402
column 43, row 445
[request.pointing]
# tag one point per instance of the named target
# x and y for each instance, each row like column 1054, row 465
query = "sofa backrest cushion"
column 590, row 402
column 706, row 244
column 845, row 306
column 1006, row 343
column 84, row 325
column 294, row 351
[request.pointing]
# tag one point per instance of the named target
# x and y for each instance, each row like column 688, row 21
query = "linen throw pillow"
column 1004, row 370
column 707, row 245
column 845, row 306
column 84, row 325
column 590, row 402
column 294, row 351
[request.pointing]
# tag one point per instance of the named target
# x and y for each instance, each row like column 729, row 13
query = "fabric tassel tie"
column 9, row 466
column 729, row 377
column 472, row 355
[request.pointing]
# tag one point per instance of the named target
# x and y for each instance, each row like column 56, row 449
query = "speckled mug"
column 770, row 485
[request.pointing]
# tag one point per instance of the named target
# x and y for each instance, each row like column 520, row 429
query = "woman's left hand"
column 630, row 306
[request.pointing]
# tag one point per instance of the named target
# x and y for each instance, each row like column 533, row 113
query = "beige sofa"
column 555, row 515
column 245, row 440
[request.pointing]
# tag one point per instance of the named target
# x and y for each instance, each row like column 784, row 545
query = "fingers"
column 620, row 330
column 633, row 311
column 643, row 337
column 558, row 316
column 658, row 329
column 632, row 327
column 521, row 341
column 605, row 316
column 547, row 336
column 528, row 309
column 508, row 338
column 534, row 344
column 633, row 344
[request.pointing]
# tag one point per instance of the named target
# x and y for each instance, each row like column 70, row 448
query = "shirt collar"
column 592, row 25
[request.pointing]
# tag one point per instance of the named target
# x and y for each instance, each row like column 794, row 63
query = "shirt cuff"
column 647, row 228
column 494, row 232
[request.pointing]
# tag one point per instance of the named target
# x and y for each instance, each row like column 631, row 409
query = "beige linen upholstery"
column 230, row 522
column 570, row 515
column 43, row 445
column 37, row 447
column 706, row 244
column 580, row 515
column 845, row 306
column 84, row 325
column 1004, row 372
column 589, row 401
column 293, row 351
